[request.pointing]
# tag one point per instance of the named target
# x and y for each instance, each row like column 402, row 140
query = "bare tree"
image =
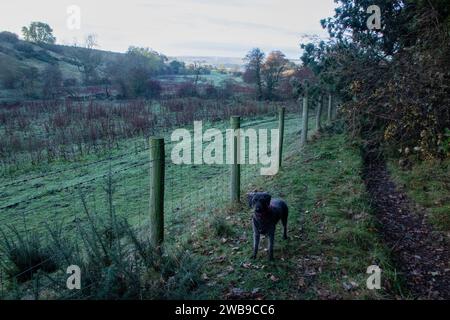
column 196, row 67
column 255, row 60
column 88, row 59
column 52, row 82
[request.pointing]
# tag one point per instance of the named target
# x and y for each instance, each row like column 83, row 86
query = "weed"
column 26, row 254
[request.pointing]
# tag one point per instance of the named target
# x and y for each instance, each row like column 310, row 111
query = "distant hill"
column 27, row 54
column 17, row 56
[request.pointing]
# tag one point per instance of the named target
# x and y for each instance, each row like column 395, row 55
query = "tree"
column 153, row 90
column 254, row 61
column 131, row 72
column 29, row 81
column 149, row 59
column 393, row 82
column 9, row 75
column 39, row 32
column 9, row 37
column 398, row 30
column 177, row 67
column 272, row 70
column 312, row 56
column 196, row 68
column 88, row 59
column 52, row 82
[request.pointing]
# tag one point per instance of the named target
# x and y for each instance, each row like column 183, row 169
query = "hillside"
column 30, row 71
column 18, row 58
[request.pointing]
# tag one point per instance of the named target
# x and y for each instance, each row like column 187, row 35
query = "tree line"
column 131, row 73
column 394, row 82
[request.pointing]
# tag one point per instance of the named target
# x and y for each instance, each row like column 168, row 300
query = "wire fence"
column 120, row 183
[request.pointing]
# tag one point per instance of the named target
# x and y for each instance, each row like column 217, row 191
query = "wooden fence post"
column 281, row 113
column 235, row 186
column 304, row 135
column 157, row 160
column 319, row 114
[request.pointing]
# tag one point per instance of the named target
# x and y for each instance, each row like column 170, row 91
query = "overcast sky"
column 227, row 28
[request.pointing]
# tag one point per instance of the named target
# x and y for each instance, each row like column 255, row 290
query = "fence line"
column 167, row 188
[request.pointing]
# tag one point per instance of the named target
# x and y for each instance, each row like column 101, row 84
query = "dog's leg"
column 256, row 238
column 271, row 243
column 285, row 230
column 284, row 220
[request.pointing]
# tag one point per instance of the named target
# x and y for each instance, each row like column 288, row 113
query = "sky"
column 224, row 28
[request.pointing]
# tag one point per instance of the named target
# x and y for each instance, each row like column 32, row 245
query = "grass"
column 27, row 254
column 332, row 233
column 116, row 260
column 428, row 184
column 333, row 237
column 56, row 195
column 215, row 78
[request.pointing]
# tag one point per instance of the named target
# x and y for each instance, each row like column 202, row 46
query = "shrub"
column 119, row 263
column 26, row 48
column 9, row 37
column 44, row 56
column 153, row 89
column 227, row 89
column 221, row 227
column 211, row 92
column 10, row 77
column 70, row 82
column 25, row 255
column 187, row 89
column 52, row 81
column 131, row 275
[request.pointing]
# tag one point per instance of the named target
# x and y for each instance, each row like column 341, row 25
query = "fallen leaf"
column 272, row 277
column 301, row 282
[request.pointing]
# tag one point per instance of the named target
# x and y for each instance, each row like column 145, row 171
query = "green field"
column 215, row 78
column 36, row 197
column 332, row 233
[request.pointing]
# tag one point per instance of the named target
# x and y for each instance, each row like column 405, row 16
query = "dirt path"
column 421, row 253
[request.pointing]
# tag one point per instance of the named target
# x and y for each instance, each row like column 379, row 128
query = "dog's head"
column 260, row 201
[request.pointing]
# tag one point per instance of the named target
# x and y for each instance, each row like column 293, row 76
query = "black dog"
column 267, row 213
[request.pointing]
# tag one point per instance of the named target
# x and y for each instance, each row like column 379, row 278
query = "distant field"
column 53, row 193
column 332, row 238
column 215, row 78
